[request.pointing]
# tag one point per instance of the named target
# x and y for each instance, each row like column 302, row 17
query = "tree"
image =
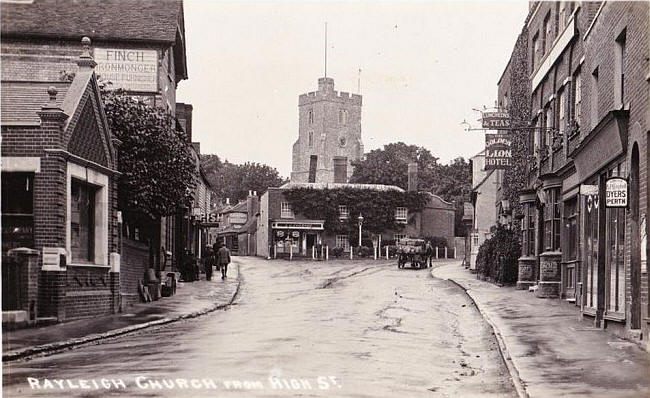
column 454, row 184
column 158, row 170
column 235, row 180
column 390, row 166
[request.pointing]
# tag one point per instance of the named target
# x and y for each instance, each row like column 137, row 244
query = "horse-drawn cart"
column 411, row 251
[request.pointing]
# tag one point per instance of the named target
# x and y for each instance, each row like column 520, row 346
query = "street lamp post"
column 360, row 223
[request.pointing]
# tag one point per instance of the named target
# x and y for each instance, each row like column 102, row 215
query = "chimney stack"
column 413, row 177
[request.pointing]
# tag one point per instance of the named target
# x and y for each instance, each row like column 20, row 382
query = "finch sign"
column 133, row 70
column 495, row 120
column 616, row 192
column 498, row 151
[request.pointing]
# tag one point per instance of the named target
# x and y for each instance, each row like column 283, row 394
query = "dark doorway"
column 636, row 247
column 313, row 163
column 311, row 241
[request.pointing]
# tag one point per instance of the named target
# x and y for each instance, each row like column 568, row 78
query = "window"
column 576, row 112
column 343, row 117
column 310, row 115
column 552, row 220
column 399, row 237
column 619, row 83
column 528, row 230
column 547, row 127
column 170, row 65
column 594, row 98
column 537, row 134
column 82, row 222
column 343, row 241
column 615, row 254
column 343, row 212
column 400, row 215
column 310, row 138
column 561, row 105
column 570, row 237
column 535, row 55
column 505, row 102
column 562, row 14
column 17, row 210
column 547, row 34
column 286, row 211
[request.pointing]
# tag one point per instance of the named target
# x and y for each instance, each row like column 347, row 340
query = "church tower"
column 329, row 135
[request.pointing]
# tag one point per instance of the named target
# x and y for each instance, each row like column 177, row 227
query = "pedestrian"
column 428, row 250
column 208, row 263
column 223, row 259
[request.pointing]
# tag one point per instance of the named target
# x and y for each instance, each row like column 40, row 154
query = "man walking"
column 428, row 251
column 223, row 259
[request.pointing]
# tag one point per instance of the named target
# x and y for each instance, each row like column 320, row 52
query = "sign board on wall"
column 498, row 151
column 127, row 68
column 495, row 120
column 616, row 194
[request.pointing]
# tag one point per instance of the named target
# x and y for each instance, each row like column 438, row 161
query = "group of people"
column 219, row 257
column 216, row 256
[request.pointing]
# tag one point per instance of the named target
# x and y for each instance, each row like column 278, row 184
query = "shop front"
column 296, row 238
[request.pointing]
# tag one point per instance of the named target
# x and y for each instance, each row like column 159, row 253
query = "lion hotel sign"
column 134, row 70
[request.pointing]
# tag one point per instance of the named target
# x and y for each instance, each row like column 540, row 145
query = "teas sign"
column 495, row 120
column 616, row 194
column 129, row 69
column 498, row 151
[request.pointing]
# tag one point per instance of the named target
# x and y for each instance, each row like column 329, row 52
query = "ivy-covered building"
column 583, row 234
column 300, row 216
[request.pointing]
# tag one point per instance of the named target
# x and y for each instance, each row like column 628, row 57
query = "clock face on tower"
column 342, row 141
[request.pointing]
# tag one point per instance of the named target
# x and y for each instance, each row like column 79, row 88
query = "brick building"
column 59, row 198
column 138, row 45
column 484, row 186
column 329, row 135
column 588, row 74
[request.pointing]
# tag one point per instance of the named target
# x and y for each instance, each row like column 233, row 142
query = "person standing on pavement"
column 223, row 259
column 428, row 251
column 208, row 263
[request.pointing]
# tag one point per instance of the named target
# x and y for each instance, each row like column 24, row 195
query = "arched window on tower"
column 343, row 117
column 311, row 138
column 311, row 116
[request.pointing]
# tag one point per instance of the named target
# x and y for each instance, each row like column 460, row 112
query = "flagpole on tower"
column 325, row 49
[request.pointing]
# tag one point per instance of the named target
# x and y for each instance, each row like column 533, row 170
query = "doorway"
column 635, row 266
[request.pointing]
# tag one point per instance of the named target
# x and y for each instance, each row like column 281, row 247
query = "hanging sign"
column 127, row 68
column 616, row 194
column 495, row 120
column 498, row 151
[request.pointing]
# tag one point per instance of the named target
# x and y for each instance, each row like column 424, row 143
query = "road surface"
column 300, row 328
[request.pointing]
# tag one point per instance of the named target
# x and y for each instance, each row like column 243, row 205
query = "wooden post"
column 454, row 251
column 386, row 252
column 313, row 252
column 374, row 252
column 327, row 252
column 351, row 252
column 379, row 247
column 290, row 251
column 446, row 252
column 275, row 251
column 436, row 252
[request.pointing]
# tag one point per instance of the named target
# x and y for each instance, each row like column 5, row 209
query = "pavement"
column 191, row 300
column 548, row 349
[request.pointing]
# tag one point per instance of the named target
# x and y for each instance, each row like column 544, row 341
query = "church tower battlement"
column 329, row 135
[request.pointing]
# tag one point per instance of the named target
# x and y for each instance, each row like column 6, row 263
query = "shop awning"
column 314, row 225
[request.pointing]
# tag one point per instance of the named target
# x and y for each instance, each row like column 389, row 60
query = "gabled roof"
column 325, row 185
column 240, row 207
column 124, row 20
column 21, row 101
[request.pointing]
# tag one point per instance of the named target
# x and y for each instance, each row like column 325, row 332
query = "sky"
column 424, row 66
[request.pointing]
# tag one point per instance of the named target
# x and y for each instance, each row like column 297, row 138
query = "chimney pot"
column 52, row 91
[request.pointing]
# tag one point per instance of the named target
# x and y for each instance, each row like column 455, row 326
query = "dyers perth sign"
column 129, row 69
column 616, row 194
column 495, row 120
column 498, row 151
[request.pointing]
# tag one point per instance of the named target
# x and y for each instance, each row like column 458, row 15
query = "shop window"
column 343, row 212
column 401, row 214
column 399, row 237
column 570, row 239
column 528, row 230
column 343, row 241
column 552, row 220
column 615, row 253
column 82, row 222
column 591, row 248
column 17, row 210
column 286, row 211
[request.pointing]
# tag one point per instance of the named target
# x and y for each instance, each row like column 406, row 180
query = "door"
column 636, row 247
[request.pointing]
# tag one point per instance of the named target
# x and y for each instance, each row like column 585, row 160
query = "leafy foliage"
column 498, row 256
column 157, row 166
column 377, row 207
column 390, row 166
column 233, row 181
